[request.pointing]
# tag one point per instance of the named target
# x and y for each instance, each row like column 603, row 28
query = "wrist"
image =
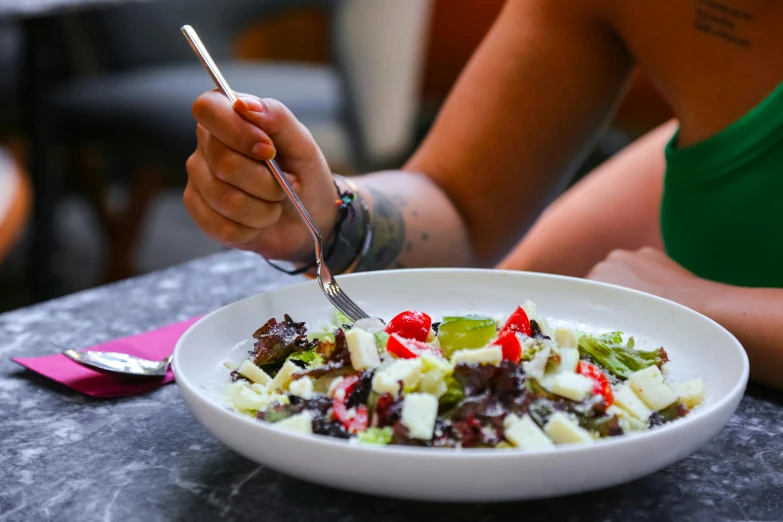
column 700, row 295
column 343, row 245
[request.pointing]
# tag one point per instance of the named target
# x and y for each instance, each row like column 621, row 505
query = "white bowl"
column 696, row 345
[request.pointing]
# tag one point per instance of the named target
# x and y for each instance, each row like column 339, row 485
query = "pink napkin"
column 155, row 345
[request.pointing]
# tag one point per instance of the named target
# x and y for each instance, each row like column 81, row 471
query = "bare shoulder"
column 730, row 49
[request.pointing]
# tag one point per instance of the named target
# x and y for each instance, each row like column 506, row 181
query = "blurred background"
column 95, row 122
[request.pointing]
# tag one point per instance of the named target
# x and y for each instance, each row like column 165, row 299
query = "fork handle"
column 222, row 85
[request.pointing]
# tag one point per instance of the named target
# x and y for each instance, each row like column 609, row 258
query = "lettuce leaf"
column 621, row 361
column 377, row 436
column 454, row 393
column 339, row 319
column 309, row 357
column 275, row 341
column 381, row 339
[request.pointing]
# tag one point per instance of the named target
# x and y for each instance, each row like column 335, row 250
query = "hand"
column 650, row 270
column 232, row 196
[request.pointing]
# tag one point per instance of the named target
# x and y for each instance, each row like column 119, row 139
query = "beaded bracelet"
column 345, row 210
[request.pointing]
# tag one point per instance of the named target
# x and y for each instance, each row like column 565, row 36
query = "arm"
column 615, row 206
column 528, row 106
column 753, row 315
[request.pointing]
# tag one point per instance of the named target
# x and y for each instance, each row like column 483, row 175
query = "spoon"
column 120, row 363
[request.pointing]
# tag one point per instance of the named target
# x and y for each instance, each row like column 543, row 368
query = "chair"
column 361, row 109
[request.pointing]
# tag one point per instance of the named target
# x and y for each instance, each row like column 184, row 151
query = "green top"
column 722, row 208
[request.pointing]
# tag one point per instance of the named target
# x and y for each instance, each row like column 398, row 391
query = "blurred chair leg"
column 145, row 185
column 88, row 166
column 40, row 67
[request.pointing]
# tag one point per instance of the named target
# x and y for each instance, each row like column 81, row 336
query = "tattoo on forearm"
column 720, row 20
column 388, row 232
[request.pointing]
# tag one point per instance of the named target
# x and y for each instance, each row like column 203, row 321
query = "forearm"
column 412, row 224
column 615, row 206
column 755, row 317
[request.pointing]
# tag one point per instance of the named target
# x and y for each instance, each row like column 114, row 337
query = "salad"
column 469, row 381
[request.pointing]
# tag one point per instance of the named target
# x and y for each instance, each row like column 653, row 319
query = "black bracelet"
column 345, row 209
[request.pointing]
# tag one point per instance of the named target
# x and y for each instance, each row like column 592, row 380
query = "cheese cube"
column 245, row 397
column 333, row 385
column 500, row 320
column 569, row 360
column 536, row 367
column 433, row 383
column 545, row 328
column 563, row 430
column 627, row 421
column 302, row 388
column 649, row 386
column 691, row 393
column 259, row 388
column 530, row 308
column 565, row 338
column 431, row 336
column 254, row 373
column 418, row 414
column 486, row 355
column 526, row 434
column 407, row 371
column 301, row 422
column 361, row 345
column 626, row 399
column 510, row 420
column 283, row 377
column 571, row 386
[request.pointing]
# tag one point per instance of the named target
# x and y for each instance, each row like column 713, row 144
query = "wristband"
column 348, row 237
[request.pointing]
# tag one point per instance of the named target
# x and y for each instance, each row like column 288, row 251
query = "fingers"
column 290, row 137
column 246, row 174
column 214, row 112
column 227, row 200
column 213, row 224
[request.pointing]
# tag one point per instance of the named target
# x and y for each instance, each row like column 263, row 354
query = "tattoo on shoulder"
column 388, row 233
column 721, row 20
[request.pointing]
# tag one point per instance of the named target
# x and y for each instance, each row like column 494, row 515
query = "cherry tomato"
column 410, row 325
column 509, row 343
column 355, row 419
column 408, row 348
column 517, row 322
column 601, row 384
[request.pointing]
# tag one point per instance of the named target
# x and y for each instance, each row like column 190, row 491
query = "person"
column 691, row 212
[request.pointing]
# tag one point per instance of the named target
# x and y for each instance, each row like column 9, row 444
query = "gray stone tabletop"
column 65, row 457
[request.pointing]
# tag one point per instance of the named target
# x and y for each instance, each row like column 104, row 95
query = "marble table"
column 65, row 457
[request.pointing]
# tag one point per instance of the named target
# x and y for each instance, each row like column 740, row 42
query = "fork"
column 330, row 288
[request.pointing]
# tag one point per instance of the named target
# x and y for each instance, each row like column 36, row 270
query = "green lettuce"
column 454, row 393
column 339, row 318
column 377, row 436
column 309, row 357
column 618, row 359
column 381, row 338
